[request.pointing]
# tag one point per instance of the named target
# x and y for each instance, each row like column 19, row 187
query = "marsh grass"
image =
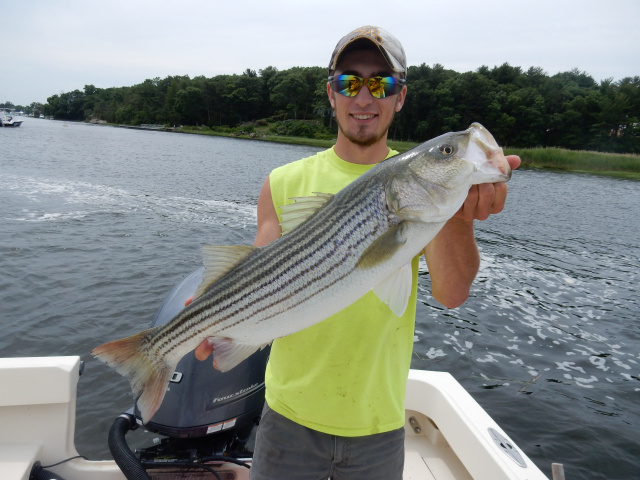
column 265, row 137
column 611, row 164
column 624, row 165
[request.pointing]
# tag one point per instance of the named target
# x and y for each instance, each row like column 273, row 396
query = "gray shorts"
column 285, row 450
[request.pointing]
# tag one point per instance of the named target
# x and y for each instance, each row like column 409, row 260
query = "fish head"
column 486, row 155
column 431, row 182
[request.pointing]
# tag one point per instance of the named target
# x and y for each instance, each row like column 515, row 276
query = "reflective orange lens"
column 380, row 87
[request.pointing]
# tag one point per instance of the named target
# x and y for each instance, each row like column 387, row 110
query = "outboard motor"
column 205, row 414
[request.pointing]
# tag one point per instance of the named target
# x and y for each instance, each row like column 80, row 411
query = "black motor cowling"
column 208, row 417
column 201, row 400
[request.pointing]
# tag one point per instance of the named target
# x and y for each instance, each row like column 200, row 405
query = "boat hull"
column 448, row 435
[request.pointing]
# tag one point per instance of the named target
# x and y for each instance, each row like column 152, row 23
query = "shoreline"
column 622, row 165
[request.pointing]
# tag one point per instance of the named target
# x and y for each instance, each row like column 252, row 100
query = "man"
column 335, row 391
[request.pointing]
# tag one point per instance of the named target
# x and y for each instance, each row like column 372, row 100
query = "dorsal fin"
column 303, row 207
column 218, row 260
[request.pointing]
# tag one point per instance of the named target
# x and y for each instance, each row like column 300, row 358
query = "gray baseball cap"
column 389, row 46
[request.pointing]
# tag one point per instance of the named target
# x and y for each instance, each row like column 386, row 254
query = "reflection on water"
column 99, row 223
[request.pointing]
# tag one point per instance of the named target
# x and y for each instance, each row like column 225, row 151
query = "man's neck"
column 363, row 155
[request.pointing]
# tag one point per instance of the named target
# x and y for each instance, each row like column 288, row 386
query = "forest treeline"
column 521, row 108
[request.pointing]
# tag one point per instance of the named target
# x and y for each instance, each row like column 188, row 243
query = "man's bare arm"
column 452, row 256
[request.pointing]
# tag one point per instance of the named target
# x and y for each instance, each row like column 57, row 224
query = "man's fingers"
column 500, row 197
column 486, row 197
column 204, row 350
column 483, row 200
column 514, row 161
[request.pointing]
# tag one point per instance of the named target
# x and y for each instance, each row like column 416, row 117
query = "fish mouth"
column 487, row 156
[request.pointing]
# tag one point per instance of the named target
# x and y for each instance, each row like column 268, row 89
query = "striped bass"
column 334, row 249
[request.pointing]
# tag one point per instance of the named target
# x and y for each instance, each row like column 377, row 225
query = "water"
column 99, row 223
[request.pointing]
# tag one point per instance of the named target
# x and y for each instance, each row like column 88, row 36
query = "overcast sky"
column 50, row 47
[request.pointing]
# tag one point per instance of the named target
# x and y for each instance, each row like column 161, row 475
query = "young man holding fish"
column 335, row 391
column 335, row 296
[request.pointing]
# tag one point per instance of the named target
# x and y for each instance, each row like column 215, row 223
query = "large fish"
column 336, row 249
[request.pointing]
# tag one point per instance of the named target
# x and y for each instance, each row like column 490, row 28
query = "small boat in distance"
column 7, row 118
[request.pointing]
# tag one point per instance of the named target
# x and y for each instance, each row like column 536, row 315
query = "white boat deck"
column 448, row 434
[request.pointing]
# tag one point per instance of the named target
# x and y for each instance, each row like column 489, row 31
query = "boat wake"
column 52, row 200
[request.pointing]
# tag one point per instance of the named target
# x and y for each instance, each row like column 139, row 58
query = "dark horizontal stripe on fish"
column 195, row 317
column 255, row 266
column 304, row 287
column 280, row 295
column 361, row 208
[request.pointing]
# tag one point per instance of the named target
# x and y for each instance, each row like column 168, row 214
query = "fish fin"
column 148, row 378
column 383, row 248
column 302, row 208
column 218, row 260
column 154, row 391
column 395, row 290
column 228, row 354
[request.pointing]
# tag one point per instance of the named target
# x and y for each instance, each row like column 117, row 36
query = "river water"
column 99, row 223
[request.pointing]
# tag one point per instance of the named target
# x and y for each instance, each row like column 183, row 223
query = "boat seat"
column 36, row 424
column 17, row 459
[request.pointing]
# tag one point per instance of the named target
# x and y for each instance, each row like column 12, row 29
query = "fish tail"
column 148, row 376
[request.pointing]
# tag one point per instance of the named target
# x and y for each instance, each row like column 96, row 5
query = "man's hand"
column 204, row 350
column 487, row 198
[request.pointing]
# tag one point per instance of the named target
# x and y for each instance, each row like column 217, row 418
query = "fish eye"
column 447, row 149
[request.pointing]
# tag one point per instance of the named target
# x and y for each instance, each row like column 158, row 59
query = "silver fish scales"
column 335, row 248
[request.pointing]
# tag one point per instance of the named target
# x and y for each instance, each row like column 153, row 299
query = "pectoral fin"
column 384, row 248
column 396, row 290
column 218, row 260
column 227, row 354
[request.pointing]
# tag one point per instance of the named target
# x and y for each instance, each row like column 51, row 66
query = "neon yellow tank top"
column 346, row 375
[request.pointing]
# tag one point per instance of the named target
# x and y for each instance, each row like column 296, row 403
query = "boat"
column 448, row 435
column 7, row 118
column 208, row 419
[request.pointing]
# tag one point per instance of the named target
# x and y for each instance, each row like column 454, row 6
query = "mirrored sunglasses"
column 380, row 87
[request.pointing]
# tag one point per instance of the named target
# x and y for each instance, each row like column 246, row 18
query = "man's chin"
column 362, row 139
column 365, row 141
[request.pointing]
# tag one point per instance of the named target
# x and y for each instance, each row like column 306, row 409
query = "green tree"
column 288, row 92
column 189, row 104
column 521, row 108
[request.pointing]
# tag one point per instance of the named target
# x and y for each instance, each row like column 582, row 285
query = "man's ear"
column 401, row 96
column 330, row 95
